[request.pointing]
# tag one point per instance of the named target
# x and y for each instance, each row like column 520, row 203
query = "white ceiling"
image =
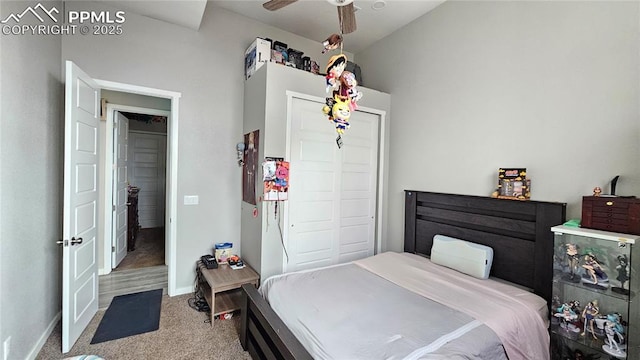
column 317, row 19
column 312, row 19
column 184, row 13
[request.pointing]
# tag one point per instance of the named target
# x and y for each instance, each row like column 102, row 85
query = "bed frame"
column 518, row 231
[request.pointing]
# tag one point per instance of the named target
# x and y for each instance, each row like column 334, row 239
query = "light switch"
column 191, row 200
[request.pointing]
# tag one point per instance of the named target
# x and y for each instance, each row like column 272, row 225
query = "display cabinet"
column 595, row 310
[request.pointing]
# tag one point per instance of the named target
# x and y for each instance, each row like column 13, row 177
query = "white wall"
column 207, row 68
column 550, row 86
column 31, row 145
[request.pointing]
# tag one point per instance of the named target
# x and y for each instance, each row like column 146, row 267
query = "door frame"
column 380, row 180
column 172, row 172
column 108, row 178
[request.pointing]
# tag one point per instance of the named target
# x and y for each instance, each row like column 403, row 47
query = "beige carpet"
column 183, row 334
column 149, row 250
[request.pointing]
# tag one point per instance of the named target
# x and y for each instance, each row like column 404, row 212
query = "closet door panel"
column 358, row 179
column 332, row 197
column 313, row 195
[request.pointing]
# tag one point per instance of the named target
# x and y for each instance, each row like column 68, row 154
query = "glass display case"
column 594, row 310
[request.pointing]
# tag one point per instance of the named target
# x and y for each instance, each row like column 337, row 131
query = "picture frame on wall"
column 250, row 166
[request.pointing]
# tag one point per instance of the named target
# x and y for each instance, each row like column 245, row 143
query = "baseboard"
column 183, row 290
column 44, row 337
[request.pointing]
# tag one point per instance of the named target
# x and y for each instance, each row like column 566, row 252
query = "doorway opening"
column 154, row 121
column 146, row 144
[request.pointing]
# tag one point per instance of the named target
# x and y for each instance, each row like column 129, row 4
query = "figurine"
column 567, row 314
column 614, row 330
column 589, row 314
column 573, row 259
column 623, row 274
column 594, row 276
column 597, row 191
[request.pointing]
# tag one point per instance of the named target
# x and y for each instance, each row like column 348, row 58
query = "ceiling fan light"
column 378, row 4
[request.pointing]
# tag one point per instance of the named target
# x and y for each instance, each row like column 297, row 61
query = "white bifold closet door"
column 332, row 196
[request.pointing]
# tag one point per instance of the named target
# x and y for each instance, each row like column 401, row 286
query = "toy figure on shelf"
column 623, row 275
column 568, row 315
column 597, row 191
column 573, row 259
column 594, row 275
column 614, row 330
column 589, row 314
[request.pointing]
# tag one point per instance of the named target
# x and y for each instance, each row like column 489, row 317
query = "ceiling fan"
column 346, row 12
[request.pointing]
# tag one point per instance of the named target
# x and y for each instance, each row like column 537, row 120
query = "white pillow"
column 464, row 256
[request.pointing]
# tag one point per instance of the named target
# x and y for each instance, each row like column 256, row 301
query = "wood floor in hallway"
column 141, row 270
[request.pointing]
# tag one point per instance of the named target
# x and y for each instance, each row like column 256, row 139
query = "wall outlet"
column 191, row 200
column 6, row 346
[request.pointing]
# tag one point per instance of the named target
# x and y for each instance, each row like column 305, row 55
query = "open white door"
column 120, row 193
column 80, row 219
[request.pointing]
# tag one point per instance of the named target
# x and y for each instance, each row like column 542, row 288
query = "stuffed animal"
column 348, row 88
column 332, row 42
column 335, row 67
column 340, row 114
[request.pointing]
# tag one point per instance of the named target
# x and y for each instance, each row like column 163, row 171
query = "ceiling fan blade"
column 347, row 18
column 273, row 5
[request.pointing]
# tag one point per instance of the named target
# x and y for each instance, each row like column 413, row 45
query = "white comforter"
column 375, row 309
column 513, row 314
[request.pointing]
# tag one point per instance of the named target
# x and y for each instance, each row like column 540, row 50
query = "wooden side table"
column 222, row 290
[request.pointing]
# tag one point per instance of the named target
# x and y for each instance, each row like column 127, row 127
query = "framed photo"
column 513, row 184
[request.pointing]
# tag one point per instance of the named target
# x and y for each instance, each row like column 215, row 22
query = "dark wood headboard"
column 518, row 231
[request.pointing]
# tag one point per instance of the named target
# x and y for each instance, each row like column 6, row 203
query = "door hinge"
column 113, row 208
column 113, row 249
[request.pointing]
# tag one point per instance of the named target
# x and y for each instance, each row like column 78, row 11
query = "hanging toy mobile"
column 332, row 42
column 342, row 85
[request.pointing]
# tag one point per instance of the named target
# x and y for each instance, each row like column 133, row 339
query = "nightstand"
column 222, row 290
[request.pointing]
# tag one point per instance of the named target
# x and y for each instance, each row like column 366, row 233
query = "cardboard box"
column 257, row 54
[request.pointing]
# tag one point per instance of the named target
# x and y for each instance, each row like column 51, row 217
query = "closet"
column 333, row 214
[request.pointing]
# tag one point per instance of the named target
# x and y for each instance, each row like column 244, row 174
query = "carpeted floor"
column 149, row 250
column 183, row 334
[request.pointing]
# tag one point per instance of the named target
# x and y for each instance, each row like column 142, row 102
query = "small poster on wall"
column 249, row 169
column 276, row 179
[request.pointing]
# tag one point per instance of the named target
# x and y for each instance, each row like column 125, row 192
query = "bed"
column 517, row 231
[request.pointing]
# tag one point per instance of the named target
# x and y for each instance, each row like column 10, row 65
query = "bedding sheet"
column 348, row 312
column 513, row 314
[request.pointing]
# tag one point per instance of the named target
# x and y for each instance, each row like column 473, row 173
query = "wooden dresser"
column 132, row 218
column 611, row 213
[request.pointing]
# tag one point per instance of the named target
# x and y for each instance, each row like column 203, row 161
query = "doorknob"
column 76, row 241
column 62, row 242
